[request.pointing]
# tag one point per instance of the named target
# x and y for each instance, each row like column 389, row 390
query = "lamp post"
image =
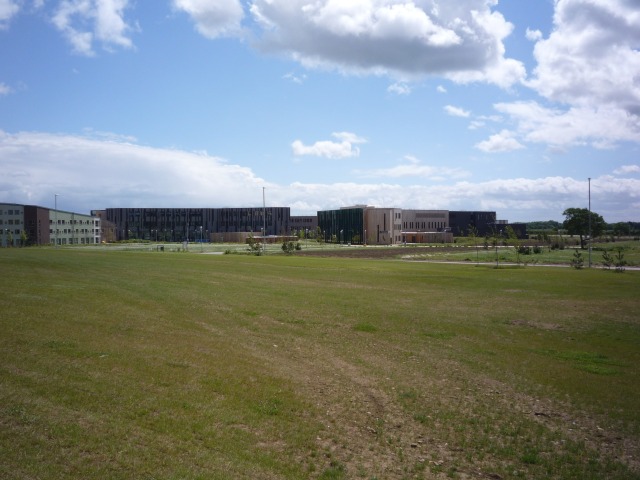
column 264, row 221
column 589, row 222
column 55, row 226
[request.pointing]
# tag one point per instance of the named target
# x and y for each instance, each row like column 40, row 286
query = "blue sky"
column 506, row 105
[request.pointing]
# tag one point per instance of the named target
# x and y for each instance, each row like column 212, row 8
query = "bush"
column 577, row 261
column 287, row 247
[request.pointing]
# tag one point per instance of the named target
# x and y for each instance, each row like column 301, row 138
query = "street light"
column 55, row 211
column 589, row 222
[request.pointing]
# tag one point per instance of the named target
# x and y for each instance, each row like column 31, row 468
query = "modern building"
column 462, row 223
column 307, row 224
column 34, row 225
column 197, row 224
column 382, row 226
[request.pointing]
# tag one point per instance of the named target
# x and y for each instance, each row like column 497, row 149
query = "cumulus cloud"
column 399, row 88
column 576, row 126
column 8, row 8
column 591, row 57
column 627, row 169
column 42, row 164
column 213, row 19
column 344, row 148
column 500, row 142
column 589, row 67
column 462, row 40
column 533, row 35
column 456, row 111
column 84, row 22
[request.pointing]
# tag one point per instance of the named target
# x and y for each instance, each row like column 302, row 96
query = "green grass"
column 464, row 250
column 137, row 364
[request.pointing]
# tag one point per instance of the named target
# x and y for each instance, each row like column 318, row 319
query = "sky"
column 502, row 105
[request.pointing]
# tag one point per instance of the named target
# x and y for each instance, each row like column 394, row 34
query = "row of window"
column 75, row 222
column 11, row 222
column 76, row 241
column 410, row 225
column 11, row 212
column 76, row 231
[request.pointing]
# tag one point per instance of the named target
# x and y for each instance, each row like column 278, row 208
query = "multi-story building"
column 388, row 226
column 34, row 225
column 196, row 224
column 12, row 225
column 462, row 223
column 307, row 224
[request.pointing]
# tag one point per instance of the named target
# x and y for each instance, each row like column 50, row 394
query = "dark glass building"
column 195, row 224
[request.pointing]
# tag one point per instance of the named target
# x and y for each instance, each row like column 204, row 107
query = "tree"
column 288, row 247
column 473, row 233
column 621, row 228
column 577, row 261
column 254, row 246
column 577, row 223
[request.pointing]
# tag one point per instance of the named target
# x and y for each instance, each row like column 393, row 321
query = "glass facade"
column 342, row 226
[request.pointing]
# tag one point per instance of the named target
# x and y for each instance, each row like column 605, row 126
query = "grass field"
column 141, row 364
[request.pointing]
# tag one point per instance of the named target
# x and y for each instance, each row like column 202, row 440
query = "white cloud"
column 500, row 142
column 299, row 79
column 591, row 57
column 456, row 111
column 413, row 168
column 533, row 35
column 42, row 164
column 574, row 127
column 588, row 68
column 8, row 8
column 462, row 40
column 399, row 88
column 5, row 89
column 84, row 22
column 627, row 169
column 343, row 149
column 441, row 89
column 213, row 19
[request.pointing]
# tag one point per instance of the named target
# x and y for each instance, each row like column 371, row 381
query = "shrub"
column 607, row 260
column 577, row 261
column 619, row 261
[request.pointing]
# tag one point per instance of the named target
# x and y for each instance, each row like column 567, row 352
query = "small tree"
column 619, row 261
column 607, row 260
column 473, row 233
column 288, row 247
column 254, row 246
column 577, row 261
column 511, row 235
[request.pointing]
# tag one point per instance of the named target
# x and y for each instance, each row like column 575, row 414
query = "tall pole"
column 55, row 226
column 589, row 222
column 264, row 221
